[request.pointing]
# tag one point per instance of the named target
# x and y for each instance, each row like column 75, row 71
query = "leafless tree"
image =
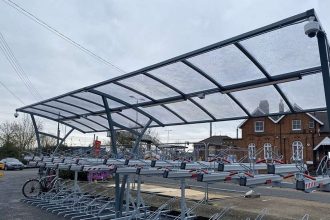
column 19, row 132
column 47, row 141
column 6, row 132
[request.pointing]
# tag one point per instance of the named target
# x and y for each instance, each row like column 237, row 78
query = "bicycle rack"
column 85, row 202
column 218, row 216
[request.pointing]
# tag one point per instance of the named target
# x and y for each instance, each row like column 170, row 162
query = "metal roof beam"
column 53, row 119
column 226, row 89
column 152, row 99
column 132, row 120
column 50, row 135
column 87, row 100
column 61, row 118
column 270, row 27
column 63, row 139
column 203, row 109
column 236, row 87
column 201, row 72
column 183, row 96
column 128, row 105
column 77, row 116
column 264, row 71
column 256, row 32
column 126, row 128
column 89, row 114
column 176, row 114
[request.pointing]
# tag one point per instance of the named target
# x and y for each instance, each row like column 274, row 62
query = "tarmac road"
column 10, row 194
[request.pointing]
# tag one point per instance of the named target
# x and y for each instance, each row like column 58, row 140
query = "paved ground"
column 323, row 197
column 10, row 194
column 279, row 203
column 11, row 208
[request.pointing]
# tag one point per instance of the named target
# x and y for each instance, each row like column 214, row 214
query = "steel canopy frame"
column 182, row 96
column 107, row 112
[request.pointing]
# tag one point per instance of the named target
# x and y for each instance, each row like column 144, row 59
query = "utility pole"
column 168, row 135
column 58, row 133
column 210, row 129
column 137, row 102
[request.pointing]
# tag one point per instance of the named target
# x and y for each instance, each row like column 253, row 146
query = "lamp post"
column 137, row 102
column 168, row 135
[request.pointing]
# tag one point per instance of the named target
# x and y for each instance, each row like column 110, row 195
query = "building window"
column 311, row 124
column 297, row 151
column 252, row 151
column 259, row 126
column 296, row 125
column 268, row 151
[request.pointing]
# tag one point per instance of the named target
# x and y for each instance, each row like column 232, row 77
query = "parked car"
column 12, row 164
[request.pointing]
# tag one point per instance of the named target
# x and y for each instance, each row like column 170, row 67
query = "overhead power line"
column 11, row 92
column 61, row 35
column 18, row 68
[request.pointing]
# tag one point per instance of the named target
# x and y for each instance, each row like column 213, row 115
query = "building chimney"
column 281, row 107
column 264, row 106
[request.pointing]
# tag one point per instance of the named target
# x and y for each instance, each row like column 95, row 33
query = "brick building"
column 310, row 130
column 211, row 146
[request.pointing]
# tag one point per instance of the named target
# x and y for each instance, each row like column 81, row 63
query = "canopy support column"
column 134, row 150
column 37, row 132
column 113, row 139
column 63, row 139
column 111, row 128
column 139, row 138
column 323, row 50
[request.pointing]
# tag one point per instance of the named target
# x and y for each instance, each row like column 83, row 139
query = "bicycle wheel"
column 58, row 184
column 32, row 188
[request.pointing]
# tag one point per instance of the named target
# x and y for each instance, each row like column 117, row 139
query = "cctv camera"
column 16, row 114
column 312, row 27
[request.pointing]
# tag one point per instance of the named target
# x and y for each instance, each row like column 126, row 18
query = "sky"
column 129, row 34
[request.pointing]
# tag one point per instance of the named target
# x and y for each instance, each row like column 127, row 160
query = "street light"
column 168, row 135
column 137, row 102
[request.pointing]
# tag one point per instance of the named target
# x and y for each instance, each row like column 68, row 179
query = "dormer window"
column 259, row 126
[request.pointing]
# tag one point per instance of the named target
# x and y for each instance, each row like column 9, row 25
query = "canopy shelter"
column 224, row 81
column 220, row 82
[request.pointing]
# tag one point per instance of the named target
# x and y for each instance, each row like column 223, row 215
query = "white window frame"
column 296, row 129
column 255, row 126
column 297, row 151
column 311, row 122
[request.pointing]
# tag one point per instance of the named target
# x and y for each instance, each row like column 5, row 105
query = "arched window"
column 297, row 151
column 252, row 151
column 268, row 152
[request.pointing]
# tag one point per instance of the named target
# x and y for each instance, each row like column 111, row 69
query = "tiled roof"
column 216, row 140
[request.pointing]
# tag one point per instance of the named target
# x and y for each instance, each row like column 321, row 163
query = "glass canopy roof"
column 272, row 70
